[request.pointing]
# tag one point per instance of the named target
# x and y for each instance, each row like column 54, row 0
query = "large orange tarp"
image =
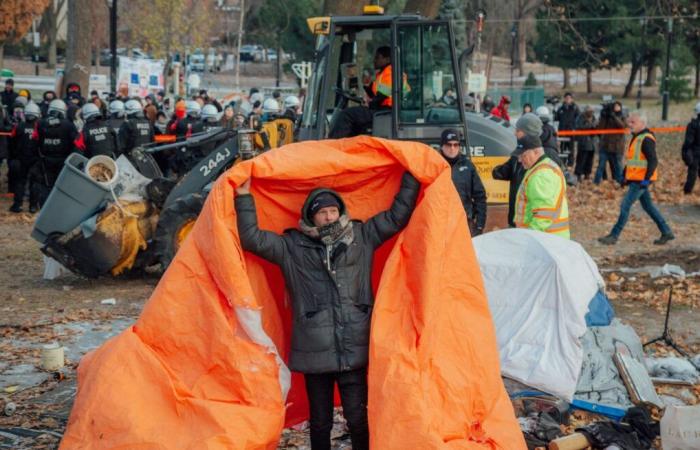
column 193, row 372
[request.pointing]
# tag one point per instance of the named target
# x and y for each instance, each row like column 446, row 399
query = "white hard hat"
column 117, row 107
column 291, row 102
column 543, row 113
column 58, row 107
column 89, row 111
column 133, row 108
column 697, row 108
column 32, row 110
column 210, row 112
column 192, row 108
column 271, row 105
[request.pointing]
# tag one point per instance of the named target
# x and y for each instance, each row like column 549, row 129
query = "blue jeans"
column 636, row 192
column 611, row 158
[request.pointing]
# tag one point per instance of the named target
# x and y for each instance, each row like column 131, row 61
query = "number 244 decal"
column 215, row 161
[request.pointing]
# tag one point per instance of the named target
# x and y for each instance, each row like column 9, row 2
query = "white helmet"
column 292, row 101
column 271, row 105
column 32, row 110
column 192, row 108
column 210, row 112
column 116, row 107
column 133, row 108
column 697, row 108
column 89, row 111
column 543, row 113
column 57, row 108
column 257, row 97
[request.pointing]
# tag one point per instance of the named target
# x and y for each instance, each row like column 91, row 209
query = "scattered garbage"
column 109, row 301
column 53, row 269
column 680, row 428
column 9, row 408
column 672, row 368
column 52, row 357
column 658, row 271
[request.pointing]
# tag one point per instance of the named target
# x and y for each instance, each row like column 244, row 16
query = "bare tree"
column 51, row 21
column 79, row 43
column 524, row 13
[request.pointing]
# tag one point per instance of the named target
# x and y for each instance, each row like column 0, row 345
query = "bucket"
column 74, row 198
column 52, row 357
column 103, row 170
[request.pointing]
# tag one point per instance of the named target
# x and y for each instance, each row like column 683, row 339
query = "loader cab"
column 426, row 96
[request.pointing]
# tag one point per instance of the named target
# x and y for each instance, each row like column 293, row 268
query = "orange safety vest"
column 541, row 208
column 636, row 161
column 382, row 84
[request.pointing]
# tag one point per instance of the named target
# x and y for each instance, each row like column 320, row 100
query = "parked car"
column 252, row 53
column 197, row 62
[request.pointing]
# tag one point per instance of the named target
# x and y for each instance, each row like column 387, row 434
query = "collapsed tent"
column 539, row 289
column 203, row 366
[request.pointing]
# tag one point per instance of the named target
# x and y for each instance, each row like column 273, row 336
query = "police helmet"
column 270, row 105
column 697, row 108
column 90, row 111
column 116, row 108
column 57, row 108
column 210, row 112
column 133, row 108
column 192, row 108
column 291, row 102
column 32, row 110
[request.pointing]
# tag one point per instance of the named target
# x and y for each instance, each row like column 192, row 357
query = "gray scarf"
column 339, row 231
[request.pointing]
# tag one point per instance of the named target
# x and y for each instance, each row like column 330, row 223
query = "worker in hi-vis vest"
column 540, row 203
column 640, row 173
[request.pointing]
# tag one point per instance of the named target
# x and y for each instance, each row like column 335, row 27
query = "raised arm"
column 384, row 225
column 265, row 244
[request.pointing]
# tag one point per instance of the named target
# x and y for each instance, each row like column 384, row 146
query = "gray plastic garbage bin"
column 74, row 198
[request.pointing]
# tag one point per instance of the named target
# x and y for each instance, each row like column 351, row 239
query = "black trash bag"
column 547, row 429
column 605, row 434
column 639, row 418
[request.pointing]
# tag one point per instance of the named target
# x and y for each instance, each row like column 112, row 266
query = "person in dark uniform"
column 96, row 137
column 466, row 180
column 117, row 115
column 22, row 156
column 55, row 135
column 136, row 129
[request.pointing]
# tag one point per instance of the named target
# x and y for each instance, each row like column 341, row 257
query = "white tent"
column 539, row 287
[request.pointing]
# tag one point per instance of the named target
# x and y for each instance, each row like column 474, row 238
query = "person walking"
column 540, row 203
column 326, row 265
column 586, row 144
column 466, row 180
column 691, row 151
column 640, row 173
column 612, row 146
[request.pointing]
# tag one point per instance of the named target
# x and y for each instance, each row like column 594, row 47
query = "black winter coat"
column 567, row 115
column 330, row 286
column 471, row 191
column 691, row 144
column 549, row 138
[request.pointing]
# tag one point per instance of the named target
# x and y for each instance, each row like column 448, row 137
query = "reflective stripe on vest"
column 559, row 223
column 382, row 84
column 636, row 161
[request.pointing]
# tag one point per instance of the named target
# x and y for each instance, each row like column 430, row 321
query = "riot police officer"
column 136, row 130
column 211, row 118
column 55, row 135
column 96, row 137
column 23, row 154
column 117, row 115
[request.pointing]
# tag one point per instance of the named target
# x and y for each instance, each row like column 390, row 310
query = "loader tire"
column 175, row 223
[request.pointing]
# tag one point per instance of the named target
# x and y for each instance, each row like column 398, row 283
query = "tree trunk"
column 489, row 59
column 427, row 8
column 2, row 54
column 651, row 74
column 50, row 16
column 697, row 78
column 522, row 49
column 79, row 39
column 589, row 80
column 567, row 78
column 630, row 83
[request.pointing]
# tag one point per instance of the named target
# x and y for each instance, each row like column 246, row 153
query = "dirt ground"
column 38, row 311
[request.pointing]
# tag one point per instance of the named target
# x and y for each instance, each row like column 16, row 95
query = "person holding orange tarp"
column 205, row 366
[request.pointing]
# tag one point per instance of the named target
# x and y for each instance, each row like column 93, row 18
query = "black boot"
column 664, row 239
column 16, row 208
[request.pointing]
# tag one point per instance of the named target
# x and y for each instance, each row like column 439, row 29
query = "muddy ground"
column 34, row 311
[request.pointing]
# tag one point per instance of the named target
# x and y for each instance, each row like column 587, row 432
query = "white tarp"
column 539, row 287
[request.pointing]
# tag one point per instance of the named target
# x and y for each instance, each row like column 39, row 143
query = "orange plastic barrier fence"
column 678, row 129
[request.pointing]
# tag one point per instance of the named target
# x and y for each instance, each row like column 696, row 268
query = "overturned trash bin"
column 74, row 198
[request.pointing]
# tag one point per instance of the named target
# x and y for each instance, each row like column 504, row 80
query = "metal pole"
column 238, row 50
column 113, row 47
column 664, row 110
